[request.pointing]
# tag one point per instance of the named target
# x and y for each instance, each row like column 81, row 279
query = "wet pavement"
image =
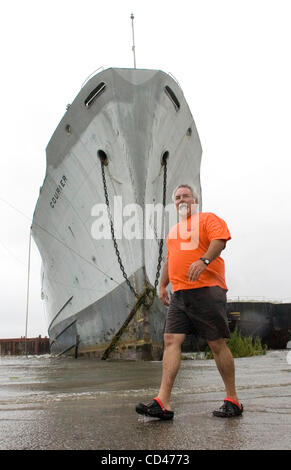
column 64, row 403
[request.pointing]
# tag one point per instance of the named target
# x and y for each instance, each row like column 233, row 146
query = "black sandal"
column 154, row 409
column 229, row 409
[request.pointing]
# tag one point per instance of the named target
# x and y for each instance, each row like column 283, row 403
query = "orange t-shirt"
column 187, row 241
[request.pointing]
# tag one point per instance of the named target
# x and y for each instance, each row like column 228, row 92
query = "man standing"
column 196, row 271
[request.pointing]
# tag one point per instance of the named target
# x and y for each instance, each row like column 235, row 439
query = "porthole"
column 169, row 92
column 68, row 129
column 94, row 94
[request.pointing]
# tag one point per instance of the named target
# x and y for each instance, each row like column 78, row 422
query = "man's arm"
column 165, row 275
column 164, row 296
column 214, row 250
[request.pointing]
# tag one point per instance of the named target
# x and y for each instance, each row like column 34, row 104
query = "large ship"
column 127, row 140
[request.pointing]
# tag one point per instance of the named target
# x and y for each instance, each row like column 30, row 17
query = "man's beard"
column 183, row 210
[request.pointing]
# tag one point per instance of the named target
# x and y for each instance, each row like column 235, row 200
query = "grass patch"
column 241, row 346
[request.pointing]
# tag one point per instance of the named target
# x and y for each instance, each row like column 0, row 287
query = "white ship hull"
column 133, row 117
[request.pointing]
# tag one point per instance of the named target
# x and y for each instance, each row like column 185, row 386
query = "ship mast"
column 133, row 44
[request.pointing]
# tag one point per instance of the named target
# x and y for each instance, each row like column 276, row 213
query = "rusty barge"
column 269, row 321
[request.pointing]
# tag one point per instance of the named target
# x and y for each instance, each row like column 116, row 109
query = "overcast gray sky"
column 232, row 60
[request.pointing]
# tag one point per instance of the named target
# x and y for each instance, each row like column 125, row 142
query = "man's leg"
column 225, row 365
column 171, row 364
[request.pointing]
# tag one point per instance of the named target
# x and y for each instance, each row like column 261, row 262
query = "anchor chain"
column 146, row 298
column 164, row 163
column 161, row 243
column 113, row 234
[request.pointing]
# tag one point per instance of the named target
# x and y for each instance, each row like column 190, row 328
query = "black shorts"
column 199, row 311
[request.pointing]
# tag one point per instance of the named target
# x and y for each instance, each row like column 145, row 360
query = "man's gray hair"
column 192, row 189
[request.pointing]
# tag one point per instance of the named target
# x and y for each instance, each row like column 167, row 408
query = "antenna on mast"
column 133, row 45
